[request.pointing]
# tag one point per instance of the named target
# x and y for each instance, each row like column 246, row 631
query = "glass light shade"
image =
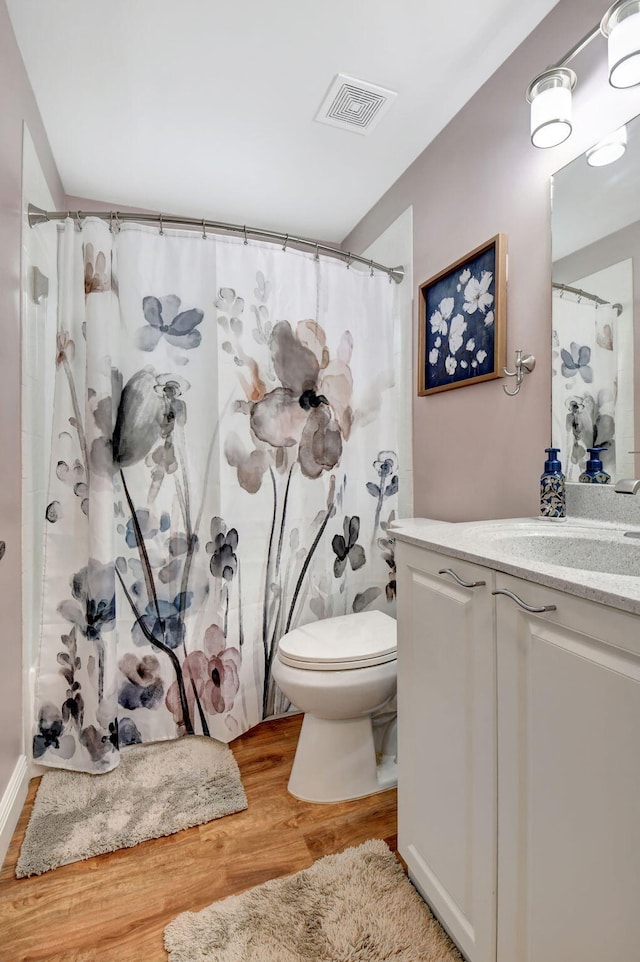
column 608, row 150
column 621, row 25
column 550, row 98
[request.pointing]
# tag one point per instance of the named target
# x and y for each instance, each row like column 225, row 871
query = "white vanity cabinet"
column 446, row 742
column 568, row 778
column 519, row 763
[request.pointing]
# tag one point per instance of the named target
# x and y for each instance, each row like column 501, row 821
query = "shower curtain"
column 584, row 383
column 224, row 469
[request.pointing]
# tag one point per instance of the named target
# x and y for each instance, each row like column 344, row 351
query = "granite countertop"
column 531, row 548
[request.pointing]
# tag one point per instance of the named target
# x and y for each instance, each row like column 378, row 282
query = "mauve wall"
column 478, row 453
column 17, row 105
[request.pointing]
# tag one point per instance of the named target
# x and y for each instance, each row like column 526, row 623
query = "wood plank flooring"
column 113, row 908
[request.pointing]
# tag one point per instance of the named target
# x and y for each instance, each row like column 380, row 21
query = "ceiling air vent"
column 354, row 104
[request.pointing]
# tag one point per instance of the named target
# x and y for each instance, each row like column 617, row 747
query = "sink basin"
column 583, row 556
column 607, row 552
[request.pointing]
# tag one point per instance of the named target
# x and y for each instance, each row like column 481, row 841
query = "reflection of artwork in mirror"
column 596, row 271
column 462, row 320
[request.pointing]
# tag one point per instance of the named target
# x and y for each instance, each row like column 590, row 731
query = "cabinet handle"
column 463, row 584
column 537, row 609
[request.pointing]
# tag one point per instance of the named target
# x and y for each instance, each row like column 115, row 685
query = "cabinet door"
column 446, row 743
column 569, row 779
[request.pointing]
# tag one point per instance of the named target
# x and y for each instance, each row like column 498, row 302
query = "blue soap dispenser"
column 552, row 495
column 594, row 473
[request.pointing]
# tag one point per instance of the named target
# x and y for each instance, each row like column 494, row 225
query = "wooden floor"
column 113, row 908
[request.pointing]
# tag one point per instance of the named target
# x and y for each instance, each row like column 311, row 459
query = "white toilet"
column 339, row 672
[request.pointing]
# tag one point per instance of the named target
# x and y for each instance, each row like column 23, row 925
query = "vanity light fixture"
column 608, row 150
column 550, row 97
column 550, row 92
column 621, row 26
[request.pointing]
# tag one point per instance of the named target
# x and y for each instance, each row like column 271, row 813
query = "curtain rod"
column 38, row 216
column 589, row 297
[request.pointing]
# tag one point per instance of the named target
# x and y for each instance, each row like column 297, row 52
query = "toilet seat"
column 340, row 644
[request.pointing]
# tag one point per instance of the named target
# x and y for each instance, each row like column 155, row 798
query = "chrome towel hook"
column 524, row 365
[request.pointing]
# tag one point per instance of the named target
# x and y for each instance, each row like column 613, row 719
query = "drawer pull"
column 537, row 609
column 463, row 584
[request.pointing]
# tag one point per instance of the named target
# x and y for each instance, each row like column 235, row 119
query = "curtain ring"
column 286, row 241
column 204, row 230
column 78, row 221
column 161, row 227
column 244, row 231
column 349, row 260
column 317, row 252
column 371, row 268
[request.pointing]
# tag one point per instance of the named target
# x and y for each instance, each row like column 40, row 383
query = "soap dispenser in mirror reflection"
column 594, row 473
column 552, row 493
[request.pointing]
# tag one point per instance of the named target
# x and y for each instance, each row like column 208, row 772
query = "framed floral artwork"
column 462, row 333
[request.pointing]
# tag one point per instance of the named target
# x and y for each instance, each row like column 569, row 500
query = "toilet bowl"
column 339, row 672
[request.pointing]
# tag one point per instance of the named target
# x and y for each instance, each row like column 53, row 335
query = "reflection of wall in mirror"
column 591, row 269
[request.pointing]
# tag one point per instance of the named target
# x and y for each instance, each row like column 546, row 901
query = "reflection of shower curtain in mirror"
column 584, row 382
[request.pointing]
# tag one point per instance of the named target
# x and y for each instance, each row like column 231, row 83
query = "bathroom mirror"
column 596, row 270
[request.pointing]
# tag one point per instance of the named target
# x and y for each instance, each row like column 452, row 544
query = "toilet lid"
column 349, row 641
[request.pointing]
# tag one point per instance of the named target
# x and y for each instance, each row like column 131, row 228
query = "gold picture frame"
column 462, row 318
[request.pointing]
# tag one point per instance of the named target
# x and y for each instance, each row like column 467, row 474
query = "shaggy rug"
column 354, row 907
column 156, row 790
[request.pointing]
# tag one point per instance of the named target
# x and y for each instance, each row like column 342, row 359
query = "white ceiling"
column 205, row 107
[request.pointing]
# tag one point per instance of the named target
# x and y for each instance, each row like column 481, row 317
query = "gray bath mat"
column 356, row 907
column 156, row 790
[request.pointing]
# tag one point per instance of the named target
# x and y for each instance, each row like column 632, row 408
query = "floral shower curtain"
column 224, row 468
column 584, row 382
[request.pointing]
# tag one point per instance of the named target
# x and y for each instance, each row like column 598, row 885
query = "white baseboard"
column 11, row 803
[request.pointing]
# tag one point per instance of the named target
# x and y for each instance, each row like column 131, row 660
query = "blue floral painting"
column 461, row 321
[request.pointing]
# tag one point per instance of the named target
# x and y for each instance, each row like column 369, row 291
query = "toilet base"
column 336, row 761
